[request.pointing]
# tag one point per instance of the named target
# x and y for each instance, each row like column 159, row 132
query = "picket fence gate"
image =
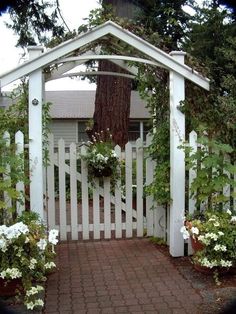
column 100, row 212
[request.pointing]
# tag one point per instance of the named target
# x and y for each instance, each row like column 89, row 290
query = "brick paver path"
column 117, row 276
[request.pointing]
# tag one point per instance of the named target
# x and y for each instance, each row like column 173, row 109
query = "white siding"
column 66, row 129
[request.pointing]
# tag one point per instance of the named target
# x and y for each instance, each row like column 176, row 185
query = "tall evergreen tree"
column 32, row 19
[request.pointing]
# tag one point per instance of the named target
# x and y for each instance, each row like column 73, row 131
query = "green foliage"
column 32, row 20
column 158, row 241
column 214, row 171
column 11, row 172
column 46, row 118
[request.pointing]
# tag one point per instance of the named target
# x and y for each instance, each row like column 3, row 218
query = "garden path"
column 118, row 276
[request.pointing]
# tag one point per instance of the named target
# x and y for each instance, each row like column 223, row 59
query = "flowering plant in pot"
column 27, row 256
column 216, row 232
column 101, row 157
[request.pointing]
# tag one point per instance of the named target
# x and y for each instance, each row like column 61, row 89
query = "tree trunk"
column 112, row 104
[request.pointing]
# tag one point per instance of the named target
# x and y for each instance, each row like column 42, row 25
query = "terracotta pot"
column 210, row 271
column 196, row 244
column 9, row 288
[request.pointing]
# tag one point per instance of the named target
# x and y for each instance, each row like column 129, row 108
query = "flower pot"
column 10, row 287
column 106, row 172
column 210, row 271
column 196, row 244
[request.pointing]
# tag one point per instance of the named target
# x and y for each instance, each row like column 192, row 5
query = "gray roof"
column 80, row 104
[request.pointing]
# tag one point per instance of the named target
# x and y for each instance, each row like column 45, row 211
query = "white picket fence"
column 100, row 212
column 20, row 187
column 228, row 190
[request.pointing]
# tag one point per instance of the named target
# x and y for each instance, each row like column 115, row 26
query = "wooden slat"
column 62, row 189
column 139, row 182
column 20, row 186
column 128, row 189
column 192, row 173
column 118, row 211
column 107, row 208
column 7, row 198
column 96, row 210
column 51, row 183
column 149, row 198
column 73, row 192
column 85, row 200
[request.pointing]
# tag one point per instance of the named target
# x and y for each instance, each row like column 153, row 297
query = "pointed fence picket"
column 62, row 189
column 6, row 177
column 128, row 190
column 118, row 195
column 85, row 198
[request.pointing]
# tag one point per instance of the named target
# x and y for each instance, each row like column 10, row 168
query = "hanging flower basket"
column 106, row 172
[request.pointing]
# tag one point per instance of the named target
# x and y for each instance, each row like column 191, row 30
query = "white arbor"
column 63, row 56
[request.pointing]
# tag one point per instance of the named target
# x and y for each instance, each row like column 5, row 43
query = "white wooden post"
column 20, row 186
column 35, row 134
column 177, row 162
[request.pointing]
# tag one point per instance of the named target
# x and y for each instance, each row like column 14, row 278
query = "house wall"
column 73, row 130
column 66, row 129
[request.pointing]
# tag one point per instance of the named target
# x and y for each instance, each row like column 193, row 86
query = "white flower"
column 219, row 247
column 3, row 230
column 30, row 305
column 42, row 244
column 228, row 211
column 113, row 153
column 33, row 263
column 50, row 265
column 216, row 224
column 52, row 238
column 12, row 273
column 185, row 232
column 34, row 290
column 195, row 230
column 204, row 240
column 220, row 233
column 39, row 302
column 3, row 245
column 226, row 263
column 212, row 236
column 233, row 219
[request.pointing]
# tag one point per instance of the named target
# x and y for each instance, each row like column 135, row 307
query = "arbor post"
column 35, row 134
column 177, row 158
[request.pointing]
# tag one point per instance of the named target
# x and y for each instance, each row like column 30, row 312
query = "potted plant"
column 101, row 157
column 215, row 230
column 26, row 257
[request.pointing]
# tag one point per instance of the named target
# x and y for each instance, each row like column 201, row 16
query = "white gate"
column 81, row 210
